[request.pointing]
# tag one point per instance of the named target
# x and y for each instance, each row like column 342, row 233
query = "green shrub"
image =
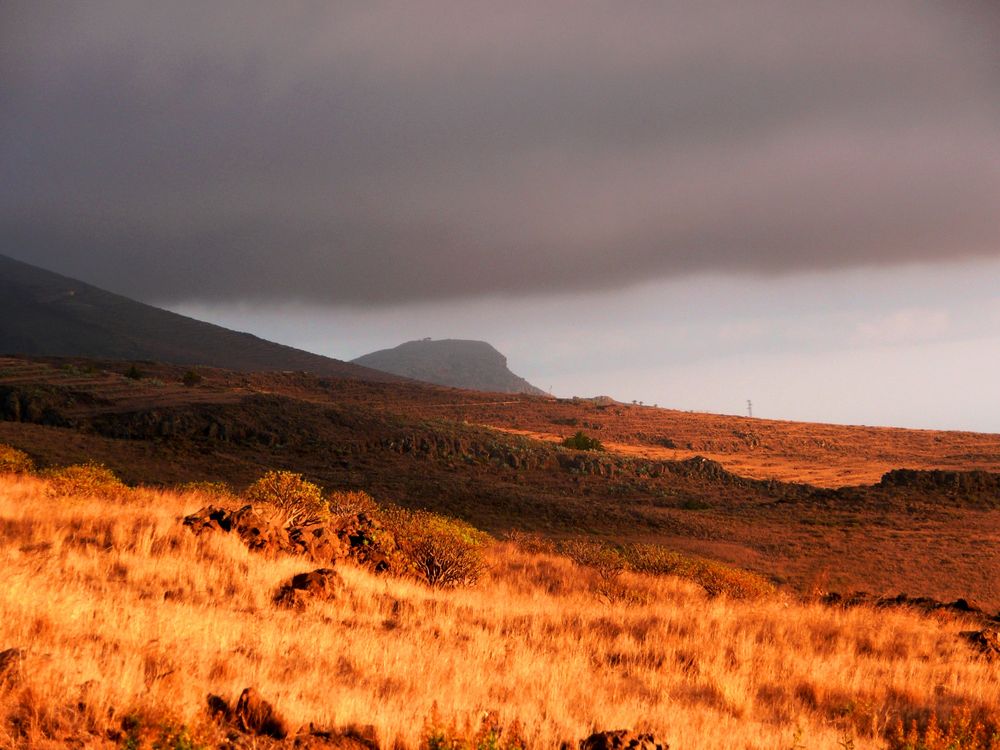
column 583, row 442
column 489, row 736
column 351, row 503
column 90, row 480
column 287, row 499
column 191, row 378
column 133, row 373
column 441, row 551
column 14, row 461
column 531, row 542
column 962, row 732
column 715, row 577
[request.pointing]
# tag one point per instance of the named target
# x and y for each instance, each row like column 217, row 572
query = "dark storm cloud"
column 362, row 153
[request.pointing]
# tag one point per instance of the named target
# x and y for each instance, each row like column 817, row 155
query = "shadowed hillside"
column 45, row 314
column 453, row 362
column 927, row 532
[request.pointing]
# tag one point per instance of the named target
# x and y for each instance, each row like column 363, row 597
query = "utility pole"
column 750, row 408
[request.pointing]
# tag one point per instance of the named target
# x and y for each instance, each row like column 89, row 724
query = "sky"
column 689, row 203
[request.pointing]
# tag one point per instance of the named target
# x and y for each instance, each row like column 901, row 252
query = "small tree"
column 583, row 442
column 442, row 551
column 14, row 461
column 287, row 499
column 191, row 378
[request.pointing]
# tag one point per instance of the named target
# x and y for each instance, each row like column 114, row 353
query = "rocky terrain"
column 473, row 365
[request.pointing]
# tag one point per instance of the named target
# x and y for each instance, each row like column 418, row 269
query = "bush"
column 962, row 732
column 716, row 578
column 441, row 551
column 14, row 461
column 191, row 378
column 582, row 442
column 531, row 542
column 133, row 373
column 351, row 503
column 218, row 490
column 287, row 499
column 90, row 480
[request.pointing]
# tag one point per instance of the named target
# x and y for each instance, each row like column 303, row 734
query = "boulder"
column 254, row 715
column 622, row 739
column 10, row 667
column 323, row 584
column 986, row 642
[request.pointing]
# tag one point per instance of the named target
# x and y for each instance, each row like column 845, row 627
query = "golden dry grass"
column 121, row 610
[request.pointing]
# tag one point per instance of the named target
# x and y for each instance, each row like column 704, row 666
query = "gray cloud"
column 359, row 154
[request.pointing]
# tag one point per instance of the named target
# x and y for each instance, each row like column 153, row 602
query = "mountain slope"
column 45, row 314
column 459, row 363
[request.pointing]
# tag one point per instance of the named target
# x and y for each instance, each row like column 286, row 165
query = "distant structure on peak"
column 459, row 363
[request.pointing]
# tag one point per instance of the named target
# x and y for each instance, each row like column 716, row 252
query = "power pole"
column 750, row 408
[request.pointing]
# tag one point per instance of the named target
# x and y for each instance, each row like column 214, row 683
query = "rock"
column 986, row 642
column 622, row 739
column 10, row 667
column 254, row 715
column 323, row 584
column 347, row 739
column 359, row 536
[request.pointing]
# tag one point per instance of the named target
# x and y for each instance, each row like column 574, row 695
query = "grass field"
column 122, row 613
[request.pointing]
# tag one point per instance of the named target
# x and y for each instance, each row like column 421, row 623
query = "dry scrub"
column 122, row 613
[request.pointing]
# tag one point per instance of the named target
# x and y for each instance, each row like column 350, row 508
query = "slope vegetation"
column 124, row 622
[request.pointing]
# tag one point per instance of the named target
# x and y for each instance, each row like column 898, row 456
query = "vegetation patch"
column 287, row 499
column 581, row 441
column 90, row 480
column 14, row 461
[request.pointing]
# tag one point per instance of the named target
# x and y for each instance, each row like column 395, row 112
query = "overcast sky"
column 690, row 202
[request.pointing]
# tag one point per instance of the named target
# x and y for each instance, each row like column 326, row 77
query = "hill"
column 456, row 452
column 46, row 314
column 458, row 363
column 119, row 622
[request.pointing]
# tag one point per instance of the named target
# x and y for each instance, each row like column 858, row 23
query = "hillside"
column 474, row 365
column 45, row 314
column 453, row 451
column 119, row 623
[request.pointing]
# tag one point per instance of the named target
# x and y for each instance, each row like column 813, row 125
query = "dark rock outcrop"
column 322, row 584
column 10, row 667
column 358, row 537
column 622, row 739
column 254, row 715
column 986, row 642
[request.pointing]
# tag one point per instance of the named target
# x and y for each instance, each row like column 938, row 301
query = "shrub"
column 14, row 461
column 218, row 490
column 716, row 578
column 133, row 373
column 287, row 498
column 583, row 442
column 351, row 502
column 90, row 480
column 191, row 378
column 962, row 732
column 531, row 542
column 441, row 551
column 489, row 736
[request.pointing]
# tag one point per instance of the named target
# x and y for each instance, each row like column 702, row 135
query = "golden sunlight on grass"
column 121, row 611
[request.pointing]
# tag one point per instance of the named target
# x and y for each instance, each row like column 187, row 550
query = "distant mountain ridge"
column 459, row 363
column 45, row 314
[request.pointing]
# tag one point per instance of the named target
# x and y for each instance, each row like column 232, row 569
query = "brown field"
column 122, row 612
column 824, row 455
